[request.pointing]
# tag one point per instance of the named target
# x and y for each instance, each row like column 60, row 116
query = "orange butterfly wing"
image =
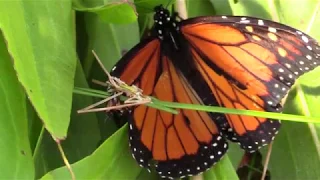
column 180, row 145
column 248, row 63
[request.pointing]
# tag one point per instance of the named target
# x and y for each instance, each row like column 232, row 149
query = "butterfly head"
column 165, row 25
column 162, row 15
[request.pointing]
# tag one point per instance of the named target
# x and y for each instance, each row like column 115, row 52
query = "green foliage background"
column 45, row 50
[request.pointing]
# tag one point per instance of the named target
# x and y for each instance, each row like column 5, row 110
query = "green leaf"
column 256, row 8
column 296, row 148
column 145, row 174
column 147, row 6
column 40, row 39
column 15, row 151
column 111, row 11
column 297, row 144
column 109, row 41
column 109, row 161
column 194, row 7
column 294, row 153
column 307, row 20
column 83, row 135
column 222, row 170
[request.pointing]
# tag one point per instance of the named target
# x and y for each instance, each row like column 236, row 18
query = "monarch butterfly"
column 230, row 61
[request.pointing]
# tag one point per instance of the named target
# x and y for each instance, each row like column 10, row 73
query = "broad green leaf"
column 295, row 153
column 222, row 170
column 83, row 135
column 256, row 8
column 204, row 8
column 110, row 11
column 307, row 20
column 15, row 151
column 40, row 39
column 109, row 41
column 147, row 6
column 112, row 160
column 145, row 174
column 235, row 154
column 297, row 144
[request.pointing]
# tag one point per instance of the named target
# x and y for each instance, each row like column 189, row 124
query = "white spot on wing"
column 271, row 29
column 245, row 21
column 309, row 57
column 305, row 39
column 260, row 22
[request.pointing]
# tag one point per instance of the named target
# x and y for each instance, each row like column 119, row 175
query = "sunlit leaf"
column 40, row 39
column 15, row 151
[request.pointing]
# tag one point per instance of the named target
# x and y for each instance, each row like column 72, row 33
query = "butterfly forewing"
column 251, row 64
